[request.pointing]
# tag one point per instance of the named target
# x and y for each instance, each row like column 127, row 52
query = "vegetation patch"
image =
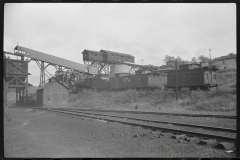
column 220, row 99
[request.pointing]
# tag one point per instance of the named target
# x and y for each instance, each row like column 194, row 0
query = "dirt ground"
column 33, row 133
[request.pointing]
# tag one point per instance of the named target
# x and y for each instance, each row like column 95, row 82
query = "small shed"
column 53, row 94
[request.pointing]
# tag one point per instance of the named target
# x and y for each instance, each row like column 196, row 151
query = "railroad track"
column 163, row 113
column 146, row 123
column 157, row 121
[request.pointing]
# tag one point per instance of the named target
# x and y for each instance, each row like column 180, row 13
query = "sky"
column 148, row 31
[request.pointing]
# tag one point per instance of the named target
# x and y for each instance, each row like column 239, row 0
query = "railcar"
column 123, row 82
column 192, row 77
column 95, row 83
column 147, row 81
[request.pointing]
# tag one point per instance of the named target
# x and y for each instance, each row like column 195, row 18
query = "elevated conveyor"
column 26, row 52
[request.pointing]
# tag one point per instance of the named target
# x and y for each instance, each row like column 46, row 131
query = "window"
column 206, row 75
column 96, row 54
column 223, row 62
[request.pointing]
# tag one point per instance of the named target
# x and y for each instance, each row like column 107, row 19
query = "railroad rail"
column 163, row 113
column 156, row 121
column 125, row 120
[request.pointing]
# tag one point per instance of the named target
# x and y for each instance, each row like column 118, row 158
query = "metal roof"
column 87, row 50
column 112, row 52
column 50, row 59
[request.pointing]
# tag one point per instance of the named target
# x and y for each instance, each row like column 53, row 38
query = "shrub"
column 221, row 99
column 128, row 96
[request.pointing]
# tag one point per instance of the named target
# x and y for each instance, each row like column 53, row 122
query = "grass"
column 221, row 99
column 226, row 76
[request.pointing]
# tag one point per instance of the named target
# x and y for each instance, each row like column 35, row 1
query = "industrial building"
column 110, row 56
column 89, row 55
column 229, row 61
column 52, row 94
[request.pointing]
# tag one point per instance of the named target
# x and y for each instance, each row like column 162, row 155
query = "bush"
column 128, row 96
column 220, row 99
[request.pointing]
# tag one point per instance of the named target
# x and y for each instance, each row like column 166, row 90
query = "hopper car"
column 123, row 82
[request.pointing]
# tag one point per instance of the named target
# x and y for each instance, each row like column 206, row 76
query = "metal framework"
column 67, row 71
column 103, row 68
column 16, row 76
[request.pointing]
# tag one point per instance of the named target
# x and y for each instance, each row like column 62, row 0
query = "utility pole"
column 176, row 80
column 210, row 64
column 142, row 61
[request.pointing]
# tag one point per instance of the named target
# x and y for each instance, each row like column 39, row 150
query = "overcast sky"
column 147, row 31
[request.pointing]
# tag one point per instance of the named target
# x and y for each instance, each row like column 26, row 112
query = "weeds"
column 220, row 99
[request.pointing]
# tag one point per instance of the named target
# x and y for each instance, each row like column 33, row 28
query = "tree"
column 194, row 59
column 203, row 59
column 170, row 61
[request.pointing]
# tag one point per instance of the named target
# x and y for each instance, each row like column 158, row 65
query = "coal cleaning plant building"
column 52, row 94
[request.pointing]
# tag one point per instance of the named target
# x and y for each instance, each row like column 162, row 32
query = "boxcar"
column 125, row 82
column 147, row 81
column 115, row 83
column 192, row 78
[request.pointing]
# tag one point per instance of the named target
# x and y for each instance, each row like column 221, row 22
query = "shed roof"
column 44, row 86
column 87, row 50
column 112, row 52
